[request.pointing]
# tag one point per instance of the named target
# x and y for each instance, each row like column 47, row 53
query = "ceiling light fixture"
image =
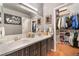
column 26, row 4
column 27, row 9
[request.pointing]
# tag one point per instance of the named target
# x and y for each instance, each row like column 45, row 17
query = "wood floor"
column 65, row 50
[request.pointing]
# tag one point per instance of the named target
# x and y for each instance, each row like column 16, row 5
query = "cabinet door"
column 52, row 43
column 37, row 50
column 20, row 52
column 43, row 48
column 26, row 51
column 49, row 44
column 31, row 50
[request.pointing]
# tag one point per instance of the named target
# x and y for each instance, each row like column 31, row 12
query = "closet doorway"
column 64, row 28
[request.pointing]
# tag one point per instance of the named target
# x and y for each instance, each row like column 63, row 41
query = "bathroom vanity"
column 37, row 46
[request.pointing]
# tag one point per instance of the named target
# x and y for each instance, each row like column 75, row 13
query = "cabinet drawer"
column 43, row 48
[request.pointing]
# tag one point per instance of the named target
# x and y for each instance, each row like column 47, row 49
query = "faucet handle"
column 16, row 38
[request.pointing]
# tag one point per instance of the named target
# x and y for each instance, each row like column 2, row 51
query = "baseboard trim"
column 53, row 50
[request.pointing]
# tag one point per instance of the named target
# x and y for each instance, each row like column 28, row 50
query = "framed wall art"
column 48, row 19
column 12, row 19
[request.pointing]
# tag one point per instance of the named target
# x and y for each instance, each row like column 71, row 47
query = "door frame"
column 54, row 18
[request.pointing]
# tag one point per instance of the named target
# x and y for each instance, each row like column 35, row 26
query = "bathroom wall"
column 0, row 12
column 26, row 25
column 48, row 10
column 13, row 29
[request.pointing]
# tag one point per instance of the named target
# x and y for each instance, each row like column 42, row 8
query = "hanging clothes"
column 75, row 42
column 78, row 20
column 71, row 38
column 74, row 22
column 66, row 37
column 78, row 37
column 59, row 23
column 63, row 22
column 68, row 21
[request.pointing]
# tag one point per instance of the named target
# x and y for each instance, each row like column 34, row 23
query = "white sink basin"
column 1, row 42
column 7, row 42
column 23, row 40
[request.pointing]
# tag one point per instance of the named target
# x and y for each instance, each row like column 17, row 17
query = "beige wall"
column 48, row 9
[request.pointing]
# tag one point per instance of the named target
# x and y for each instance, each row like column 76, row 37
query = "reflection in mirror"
column 1, row 27
column 2, row 32
column 33, row 26
column 12, row 19
column 0, row 13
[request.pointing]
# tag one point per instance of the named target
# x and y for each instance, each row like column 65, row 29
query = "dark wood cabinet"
column 43, row 48
column 35, row 49
column 12, row 54
column 52, row 43
column 20, row 52
column 26, row 51
column 49, row 43
column 38, row 49
column 32, row 50
column 37, row 53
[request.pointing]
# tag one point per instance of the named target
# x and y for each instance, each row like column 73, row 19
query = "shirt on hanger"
column 74, row 22
column 71, row 38
column 59, row 23
column 63, row 22
column 78, row 38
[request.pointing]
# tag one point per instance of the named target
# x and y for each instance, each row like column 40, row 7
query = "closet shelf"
column 62, row 10
column 64, row 14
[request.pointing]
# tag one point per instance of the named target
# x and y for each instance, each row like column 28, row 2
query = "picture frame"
column 39, row 21
column 48, row 19
column 12, row 19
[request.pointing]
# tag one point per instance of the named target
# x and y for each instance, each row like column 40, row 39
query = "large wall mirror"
column 0, row 14
column 12, row 20
column 13, row 17
column 1, row 23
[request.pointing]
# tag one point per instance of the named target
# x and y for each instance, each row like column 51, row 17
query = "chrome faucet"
column 16, row 38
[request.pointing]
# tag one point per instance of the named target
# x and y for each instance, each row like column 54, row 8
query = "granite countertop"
column 8, row 48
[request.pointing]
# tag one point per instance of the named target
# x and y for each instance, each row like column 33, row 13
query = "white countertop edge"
column 26, row 45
